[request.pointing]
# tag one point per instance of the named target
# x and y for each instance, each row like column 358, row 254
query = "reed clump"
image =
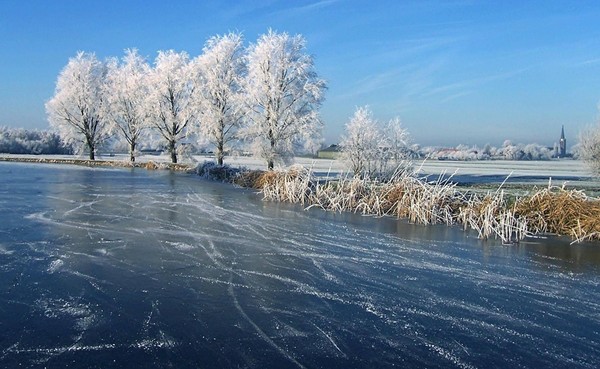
column 423, row 202
column 492, row 215
column 261, row 180
column 404, row 196
column 213, row 171
column 563, row 212
column 249, row 179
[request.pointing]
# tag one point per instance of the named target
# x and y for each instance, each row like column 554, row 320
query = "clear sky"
column 454, row 71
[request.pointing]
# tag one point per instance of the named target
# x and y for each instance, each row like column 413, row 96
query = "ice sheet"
column 135, row 268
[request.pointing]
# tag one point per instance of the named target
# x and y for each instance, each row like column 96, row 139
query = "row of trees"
column 23, row 141
column 508, row 151
column 266, row 95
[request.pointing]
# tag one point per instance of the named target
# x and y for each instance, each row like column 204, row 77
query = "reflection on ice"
column 138, row 269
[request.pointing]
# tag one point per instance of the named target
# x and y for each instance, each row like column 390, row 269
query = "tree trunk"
column 172, row 151
column 272, row 139
column 92, row 151
column 132, row 152
column 91, row 147
column 220, row 153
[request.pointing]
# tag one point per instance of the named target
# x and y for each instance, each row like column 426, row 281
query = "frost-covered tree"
column 169, row 103
column 534, row 151
column 589, row 148
column 75, row 109
column 396, row 138
column 488, row 150
column 374, row 151
column 395, row 147
column 126, row 92
column 221, row 70
column 360, row 143
column 22, row 141
column 283, row 95
column 510, row 151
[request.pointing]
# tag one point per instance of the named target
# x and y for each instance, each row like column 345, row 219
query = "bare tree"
column 75, row 109
column 221, row 70
column 283, row 95
column 169, row 99
column 126, row 91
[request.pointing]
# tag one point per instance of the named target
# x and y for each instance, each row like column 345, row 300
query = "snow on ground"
column 484, row 170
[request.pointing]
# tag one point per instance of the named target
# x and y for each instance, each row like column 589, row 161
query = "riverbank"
column 98, row 163
column 498, row 208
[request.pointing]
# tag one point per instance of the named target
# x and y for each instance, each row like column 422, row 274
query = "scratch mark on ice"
column 330, row 340
column 260, row 332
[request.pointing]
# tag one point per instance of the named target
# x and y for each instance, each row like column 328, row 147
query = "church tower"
column 562, row 144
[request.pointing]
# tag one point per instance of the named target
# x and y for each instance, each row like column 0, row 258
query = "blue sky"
column 454, row 71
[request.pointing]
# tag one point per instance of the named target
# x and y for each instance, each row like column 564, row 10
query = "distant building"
column 562, row 144
column 331, row 152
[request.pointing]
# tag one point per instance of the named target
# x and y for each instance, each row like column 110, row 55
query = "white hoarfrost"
column 370, row 151
column 360, row 142
column 126, row 92
column 395, row 147
column 589, row 148
column 75, row 110
column 283, row 95
column 169, row 102
column 220, row 71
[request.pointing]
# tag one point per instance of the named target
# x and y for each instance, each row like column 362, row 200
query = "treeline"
column 23, row 141
column 264, row 97
column 508, row 151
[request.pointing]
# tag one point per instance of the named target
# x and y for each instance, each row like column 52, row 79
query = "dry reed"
column 494, row 214
column 562, row 212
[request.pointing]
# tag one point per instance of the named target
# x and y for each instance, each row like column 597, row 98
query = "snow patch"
column 82, row 313
column 181, row 246
column 55, row 265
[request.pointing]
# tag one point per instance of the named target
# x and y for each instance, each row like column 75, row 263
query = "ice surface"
column 129, row 268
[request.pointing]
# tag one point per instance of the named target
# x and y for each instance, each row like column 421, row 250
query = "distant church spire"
column 562, row 144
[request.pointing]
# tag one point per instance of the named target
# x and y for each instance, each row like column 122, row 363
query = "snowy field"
column 496, row 171
column 570, row 172
column 110, row 267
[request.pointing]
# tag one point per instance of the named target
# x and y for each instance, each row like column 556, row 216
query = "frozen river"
column 129, row 268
